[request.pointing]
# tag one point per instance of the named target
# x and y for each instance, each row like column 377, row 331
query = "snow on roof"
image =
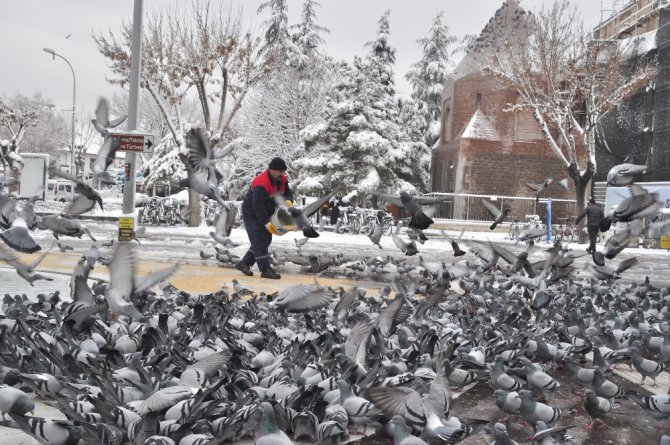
column 638, row 45
column 479, row 127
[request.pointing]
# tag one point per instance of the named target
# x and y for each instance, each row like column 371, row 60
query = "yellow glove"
column 274, row 229
column 288, row 203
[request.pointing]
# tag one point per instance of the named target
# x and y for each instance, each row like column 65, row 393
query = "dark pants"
column 593, row 237
column 260, row 240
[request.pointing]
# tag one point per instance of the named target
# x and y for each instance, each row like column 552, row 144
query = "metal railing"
column 469, row 207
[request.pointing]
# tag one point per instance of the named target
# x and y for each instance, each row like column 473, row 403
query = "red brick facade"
column 501, row 150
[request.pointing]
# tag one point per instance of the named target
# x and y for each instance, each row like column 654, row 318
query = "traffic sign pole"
column 133, row 102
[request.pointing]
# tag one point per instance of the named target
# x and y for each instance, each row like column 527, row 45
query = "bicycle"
column 514, row 230
column 381, row 218
column 565, row 232
column 349, row 221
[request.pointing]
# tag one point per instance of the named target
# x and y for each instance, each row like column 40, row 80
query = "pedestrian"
column 334, row 205
column 257, row 208
column 594, row 214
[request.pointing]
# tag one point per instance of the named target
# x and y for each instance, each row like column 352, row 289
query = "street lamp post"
column 74, row 89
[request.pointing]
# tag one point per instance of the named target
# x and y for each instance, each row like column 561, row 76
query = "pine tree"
column 308, row 36
column 361, row 144
column 278, row 47
column 428, row 75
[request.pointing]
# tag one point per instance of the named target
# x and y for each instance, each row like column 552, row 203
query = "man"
column 594, row 213
column 257, row 208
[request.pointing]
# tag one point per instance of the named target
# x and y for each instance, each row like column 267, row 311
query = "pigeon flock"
column 137, row 360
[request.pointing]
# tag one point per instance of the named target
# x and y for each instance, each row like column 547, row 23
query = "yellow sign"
column 126, row 226
column 665, row 242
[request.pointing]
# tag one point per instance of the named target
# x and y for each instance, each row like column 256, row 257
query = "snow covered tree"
column 278, row 47
column 308, row 36
column 569, row 83
column 361, row 144
column 428, row 75
column 198, row 49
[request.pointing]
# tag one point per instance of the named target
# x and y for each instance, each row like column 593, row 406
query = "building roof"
column 509, row 20
column 480, row 127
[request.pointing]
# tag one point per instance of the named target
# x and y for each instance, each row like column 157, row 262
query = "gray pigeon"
column 533, row 411
column 401, row 436
column 623, row 174
column 647, row 368
column 501, row 436
column 86, row 197
column 597, row 407
column 418, row 218
column 269, row 433
column 498, row 215
column 376, row 235
column 13, row 400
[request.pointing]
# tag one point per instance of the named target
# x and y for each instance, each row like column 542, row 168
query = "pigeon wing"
column 211, row 364
column 102, row 113
column 492, row 209
column 149, row 280
column 199, row 151
column 164, row 398
column 313, row 207
column 356, row 344
column 399, row 400
column 391, row 199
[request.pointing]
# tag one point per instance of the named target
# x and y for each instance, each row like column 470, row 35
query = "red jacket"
column 259, row 202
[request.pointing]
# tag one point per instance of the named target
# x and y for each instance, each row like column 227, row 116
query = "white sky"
column 30, row 25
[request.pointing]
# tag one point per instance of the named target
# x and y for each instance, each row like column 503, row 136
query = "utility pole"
column 133, row 104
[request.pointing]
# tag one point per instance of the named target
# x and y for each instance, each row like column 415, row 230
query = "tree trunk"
column 194, row 201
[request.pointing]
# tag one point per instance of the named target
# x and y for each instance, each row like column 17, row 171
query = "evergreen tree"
column 361, row 144
column 278, row 46
column 308, row 36
column 428, row 75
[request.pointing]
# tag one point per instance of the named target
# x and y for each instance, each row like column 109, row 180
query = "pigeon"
column 109, row 146
column 533, row 411
column 639, row 204
column 550, row 436
column 508, row 402
column 359, row 410
column 123, row 284
column 224, row 224
column 418, row 218
column 456, row 249
column 269, row 433
column 597, row 407
column 304, row 297
column 86, row 197
column 14, row 401
column 539, row 188
column 400, row 434
column 47, row 431
column 613, row 246
column 646, row 368
column 501, row 380
column 408, row 249
column 301, row 214
column 623, row 174
column 203, row 176
column 564, row 183
column 501, row 436
column 63, row 226
column 299, row 243
column 18, row 237
column 498, row 215
column 25, row 272
column 376, row 235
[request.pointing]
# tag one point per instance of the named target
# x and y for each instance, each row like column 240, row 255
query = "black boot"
column 270, row 273
column 242, row 267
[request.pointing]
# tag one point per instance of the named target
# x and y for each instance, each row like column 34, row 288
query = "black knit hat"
column 278, row 164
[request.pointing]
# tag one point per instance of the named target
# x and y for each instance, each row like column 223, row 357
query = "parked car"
column 60, row 191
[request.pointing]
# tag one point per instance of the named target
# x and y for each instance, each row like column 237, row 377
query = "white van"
column 60, row 191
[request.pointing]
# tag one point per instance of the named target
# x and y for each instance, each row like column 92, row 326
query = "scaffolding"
column 628, row 18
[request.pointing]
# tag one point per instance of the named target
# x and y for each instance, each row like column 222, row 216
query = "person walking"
column 594, row 214
column 257, row 208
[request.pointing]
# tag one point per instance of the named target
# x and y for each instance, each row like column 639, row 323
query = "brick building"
column 484, row 149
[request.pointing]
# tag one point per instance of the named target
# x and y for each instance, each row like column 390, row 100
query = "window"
column 50, row 187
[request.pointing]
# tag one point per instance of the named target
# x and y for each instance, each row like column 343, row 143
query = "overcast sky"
column 66, row 26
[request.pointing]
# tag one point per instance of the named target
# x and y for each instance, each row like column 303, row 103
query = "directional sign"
column 139, row 143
